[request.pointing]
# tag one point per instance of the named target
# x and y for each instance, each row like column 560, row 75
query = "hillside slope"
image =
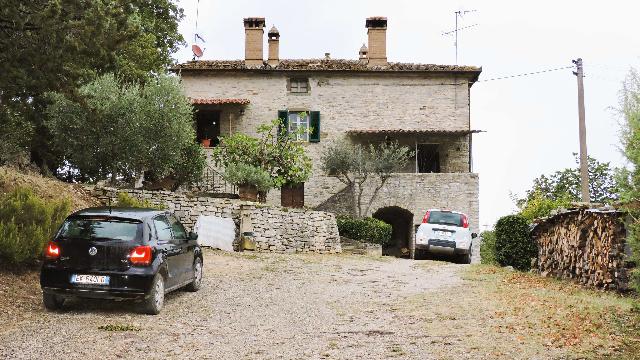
column 46, row 188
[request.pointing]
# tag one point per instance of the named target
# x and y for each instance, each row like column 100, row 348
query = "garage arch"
column 401, row 221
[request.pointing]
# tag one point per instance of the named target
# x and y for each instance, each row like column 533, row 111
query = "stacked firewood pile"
column 587, row 245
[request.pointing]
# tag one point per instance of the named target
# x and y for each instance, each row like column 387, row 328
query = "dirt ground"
column 268, row 306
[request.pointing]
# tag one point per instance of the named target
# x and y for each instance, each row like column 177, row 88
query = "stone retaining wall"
column 276, row 229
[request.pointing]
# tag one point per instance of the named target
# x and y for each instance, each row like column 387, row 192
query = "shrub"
column 126, row 200
column 514, row 246
column 539, row 206
column 242, row 174
column 488, row 248
column 364, row 229
column 27, row 223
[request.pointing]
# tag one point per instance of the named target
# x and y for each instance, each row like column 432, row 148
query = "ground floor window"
column 427, row 158
column 208, row 126
column 299, row 120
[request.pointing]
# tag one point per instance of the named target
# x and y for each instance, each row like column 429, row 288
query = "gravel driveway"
column 252, row 306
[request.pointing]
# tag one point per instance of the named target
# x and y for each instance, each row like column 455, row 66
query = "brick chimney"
column 377, row 31
column 274, row 46
column 254, row 33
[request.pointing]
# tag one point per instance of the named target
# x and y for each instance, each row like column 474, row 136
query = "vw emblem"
column 93, row 250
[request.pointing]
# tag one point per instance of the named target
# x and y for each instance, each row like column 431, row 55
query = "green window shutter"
column 283, row 115
column 314, row 124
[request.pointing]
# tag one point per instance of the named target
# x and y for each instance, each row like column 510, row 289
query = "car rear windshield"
column 101, row 228
column 445, row 218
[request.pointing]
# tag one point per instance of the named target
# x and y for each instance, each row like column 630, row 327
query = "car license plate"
column 442, row 234
column 89, row 279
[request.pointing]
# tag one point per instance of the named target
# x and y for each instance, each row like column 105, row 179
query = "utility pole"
column 584, row 171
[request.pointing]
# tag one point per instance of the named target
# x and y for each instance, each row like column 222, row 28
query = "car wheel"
column 197, row 276
column 155, row 301
column 466, row 258
column 52, row 302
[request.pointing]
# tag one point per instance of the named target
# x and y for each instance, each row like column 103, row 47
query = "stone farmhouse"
column 367, row 100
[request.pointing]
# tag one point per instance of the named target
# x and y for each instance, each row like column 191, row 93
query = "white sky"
column 531, row 121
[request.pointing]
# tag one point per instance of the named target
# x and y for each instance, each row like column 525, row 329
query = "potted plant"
column 206, row 140
column 253, row 182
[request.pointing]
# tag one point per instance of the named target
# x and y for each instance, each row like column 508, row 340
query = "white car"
column 444, row 232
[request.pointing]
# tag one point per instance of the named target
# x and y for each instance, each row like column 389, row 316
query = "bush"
column 364, row 229
column 27, row 223
column 126, row 200
column 514, row 246
column 488, row 248
column 242, row 174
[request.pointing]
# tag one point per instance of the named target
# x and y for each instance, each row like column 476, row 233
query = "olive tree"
column 119, row 131
column 354, row 164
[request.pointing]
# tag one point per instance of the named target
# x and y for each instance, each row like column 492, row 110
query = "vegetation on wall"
column 629, row 179
column 513, row 244
column 119, row 132
column 27, row 223
column 364, row 229
column 126, row 200
column 353, row 164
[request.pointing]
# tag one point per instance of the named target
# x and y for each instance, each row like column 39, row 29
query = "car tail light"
column 52, row 251
column 465, row 221
column 141, row 255
column 425, row 219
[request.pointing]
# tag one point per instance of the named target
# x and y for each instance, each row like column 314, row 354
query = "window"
column 101, row 228
column 299, row 85
column 163, row 228
column 299, row 120
column 178, row 230
column 427, row 158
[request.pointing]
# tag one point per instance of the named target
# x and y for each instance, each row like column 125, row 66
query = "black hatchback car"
column 120, row 253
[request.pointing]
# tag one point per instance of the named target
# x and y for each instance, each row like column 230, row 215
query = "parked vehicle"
column 444, row 232
column 120, row 253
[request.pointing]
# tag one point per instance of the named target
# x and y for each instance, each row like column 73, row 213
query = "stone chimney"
column 377, row 31
column 274, row 46
column 254, row 33
column 364, row 52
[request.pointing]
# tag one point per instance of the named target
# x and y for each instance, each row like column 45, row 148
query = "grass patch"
column 118, row 327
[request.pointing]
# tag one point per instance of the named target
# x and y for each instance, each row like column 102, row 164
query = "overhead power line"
column 526, row 74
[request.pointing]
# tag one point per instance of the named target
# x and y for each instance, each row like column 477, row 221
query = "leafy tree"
column 119, row 132
column 629, row 178
column 354, row 164
column 275, row 152
column 539, row 206
column 565, row 185
column 59, row 45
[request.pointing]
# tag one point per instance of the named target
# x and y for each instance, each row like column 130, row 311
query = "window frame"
column 295, row 85
column 299, row 137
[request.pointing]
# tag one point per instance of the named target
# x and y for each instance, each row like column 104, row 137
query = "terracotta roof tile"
column 323, row 65
column 218, row 101
column 407, row 131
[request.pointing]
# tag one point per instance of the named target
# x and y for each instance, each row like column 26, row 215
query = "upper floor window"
column 299, row 120
column 299, row 85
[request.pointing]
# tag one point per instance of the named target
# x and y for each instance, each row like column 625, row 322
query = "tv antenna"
column 459, row 14
column 197, row 50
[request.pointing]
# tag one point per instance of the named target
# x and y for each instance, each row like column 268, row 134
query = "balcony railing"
column 214, row 183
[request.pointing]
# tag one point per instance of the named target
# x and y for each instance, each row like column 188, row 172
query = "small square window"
column 299, row 85
column 299, row 120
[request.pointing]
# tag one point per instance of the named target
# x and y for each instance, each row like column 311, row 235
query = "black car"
column 120, row 253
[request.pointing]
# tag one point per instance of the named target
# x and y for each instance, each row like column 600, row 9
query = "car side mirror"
column 474, row 235
column 192, row 236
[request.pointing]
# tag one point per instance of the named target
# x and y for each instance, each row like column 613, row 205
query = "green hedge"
column 514, row 245
column 27, row 224
column 488, row 248
column 364, row 229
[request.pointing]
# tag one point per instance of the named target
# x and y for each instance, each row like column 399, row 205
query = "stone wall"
column 414, row 192
column 275, row 229
column 587, row 245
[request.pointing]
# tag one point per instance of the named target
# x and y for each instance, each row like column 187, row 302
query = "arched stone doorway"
column 401, row 221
